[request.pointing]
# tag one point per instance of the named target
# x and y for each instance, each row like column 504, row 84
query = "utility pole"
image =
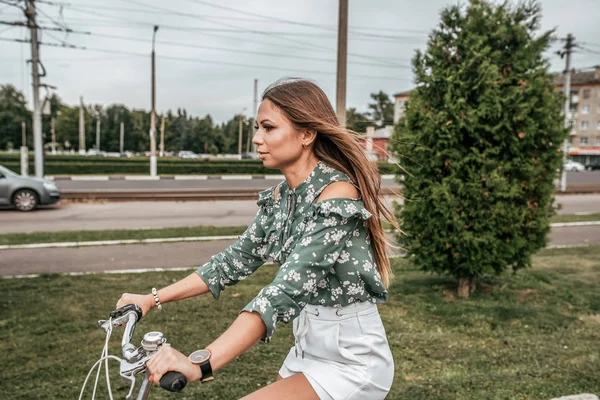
column 53, row 132
column 24, row 150
column 38, row 146
column 81, row 127
column 121, row 138
column 342, row 62
column 240, row 138
column 162, row 137
column 153, row 112
column 254, row 114
column 567, row 90
column 241, row 120
column 98, row 122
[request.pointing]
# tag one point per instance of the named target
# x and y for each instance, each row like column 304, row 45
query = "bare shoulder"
column 338, row 190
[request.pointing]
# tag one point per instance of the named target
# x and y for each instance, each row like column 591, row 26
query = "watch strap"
column 206, row 370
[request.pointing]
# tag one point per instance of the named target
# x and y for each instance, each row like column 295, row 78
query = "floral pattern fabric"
column 323, row 250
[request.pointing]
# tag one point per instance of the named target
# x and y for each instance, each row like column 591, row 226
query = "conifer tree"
column 480, row 141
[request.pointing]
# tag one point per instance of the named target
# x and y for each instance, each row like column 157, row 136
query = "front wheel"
column 25, row 200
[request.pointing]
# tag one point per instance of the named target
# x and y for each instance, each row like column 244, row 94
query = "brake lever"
column 129, row 371
column 120, row 312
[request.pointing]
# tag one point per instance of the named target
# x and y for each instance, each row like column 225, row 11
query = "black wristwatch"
column 202, row 358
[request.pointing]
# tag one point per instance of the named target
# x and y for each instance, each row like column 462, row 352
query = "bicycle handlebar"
column 135, row 359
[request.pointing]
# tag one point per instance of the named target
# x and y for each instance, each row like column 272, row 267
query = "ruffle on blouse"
column 266, row 197
column 343, row 207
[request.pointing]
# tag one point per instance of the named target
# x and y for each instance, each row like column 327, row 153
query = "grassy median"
column 533, row 335
column 120, row 234
column 123, row 234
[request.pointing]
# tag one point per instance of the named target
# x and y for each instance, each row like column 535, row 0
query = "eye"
column 267, row 127
column 255, row 127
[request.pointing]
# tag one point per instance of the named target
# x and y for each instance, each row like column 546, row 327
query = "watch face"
column 199, row 356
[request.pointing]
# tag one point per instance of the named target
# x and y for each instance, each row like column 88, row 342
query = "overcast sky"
column 209, row 52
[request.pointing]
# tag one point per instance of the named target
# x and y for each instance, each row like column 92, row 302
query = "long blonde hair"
column 307, row 107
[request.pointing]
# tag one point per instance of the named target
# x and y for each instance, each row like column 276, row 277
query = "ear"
column 309, row 136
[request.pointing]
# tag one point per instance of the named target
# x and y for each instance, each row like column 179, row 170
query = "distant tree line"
column 182, row 131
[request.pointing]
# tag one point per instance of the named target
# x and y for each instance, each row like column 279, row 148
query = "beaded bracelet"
column 156, row 300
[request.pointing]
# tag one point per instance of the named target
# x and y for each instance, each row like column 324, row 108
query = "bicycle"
column 134, row 359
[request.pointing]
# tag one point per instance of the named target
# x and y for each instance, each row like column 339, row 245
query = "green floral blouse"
column 323, row 250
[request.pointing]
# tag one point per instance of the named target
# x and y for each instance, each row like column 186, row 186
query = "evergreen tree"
column 357, row 121
column 480, row 142
column 382, row 109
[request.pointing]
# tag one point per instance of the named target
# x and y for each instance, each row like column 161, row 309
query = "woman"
column 321, row 225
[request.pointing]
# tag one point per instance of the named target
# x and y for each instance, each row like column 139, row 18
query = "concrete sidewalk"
column 167, row 214
column 174, row 255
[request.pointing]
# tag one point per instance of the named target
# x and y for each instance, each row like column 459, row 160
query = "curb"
column 567, row 224
column 168, row 177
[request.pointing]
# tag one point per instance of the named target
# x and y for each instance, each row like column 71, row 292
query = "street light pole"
column 153, row 112
column 567, row 89
column 98, row 122
column 240, row 133
column 38, row 143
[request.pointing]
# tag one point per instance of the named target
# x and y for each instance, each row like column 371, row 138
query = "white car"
column 574, row 166
column 187, row 154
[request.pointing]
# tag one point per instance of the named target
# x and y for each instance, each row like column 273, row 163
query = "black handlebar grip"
column 126, row 308
column 173, row 381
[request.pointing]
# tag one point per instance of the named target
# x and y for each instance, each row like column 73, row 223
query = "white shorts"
column 343, row 352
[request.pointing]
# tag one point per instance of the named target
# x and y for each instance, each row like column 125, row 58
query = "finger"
column 153, row 366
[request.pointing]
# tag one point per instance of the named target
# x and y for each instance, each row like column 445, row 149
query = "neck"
column 297, row 172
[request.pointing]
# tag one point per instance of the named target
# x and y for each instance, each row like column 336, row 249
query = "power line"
column 333, row 30
column 51, row 19
column 48, row 28
column 12, row 3
column 258, row 17
column 204, row 61
column 235, row 29
column 62, row 45
column 6, row 30
column 395, row 61
column 207, row 32
column 588, row 50
column 270, row 34
column 190, row 45
column 590, row 44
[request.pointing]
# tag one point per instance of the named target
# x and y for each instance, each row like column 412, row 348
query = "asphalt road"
column 573, row 178
column 172, row 255
column 168, row 214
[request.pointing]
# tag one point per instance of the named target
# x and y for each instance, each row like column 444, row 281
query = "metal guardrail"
column 212, row 194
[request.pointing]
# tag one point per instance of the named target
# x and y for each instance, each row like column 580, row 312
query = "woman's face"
column 277, row 142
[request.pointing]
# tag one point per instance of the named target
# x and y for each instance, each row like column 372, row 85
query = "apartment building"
column 584, row 110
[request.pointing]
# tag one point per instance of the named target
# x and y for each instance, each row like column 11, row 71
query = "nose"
column 257, row 139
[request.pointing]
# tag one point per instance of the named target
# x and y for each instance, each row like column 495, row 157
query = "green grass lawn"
column 555, row 219
column 534, row 335
column 576, row 218
column 120, row 234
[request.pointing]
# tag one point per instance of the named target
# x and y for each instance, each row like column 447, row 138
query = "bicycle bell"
column 153, row 340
